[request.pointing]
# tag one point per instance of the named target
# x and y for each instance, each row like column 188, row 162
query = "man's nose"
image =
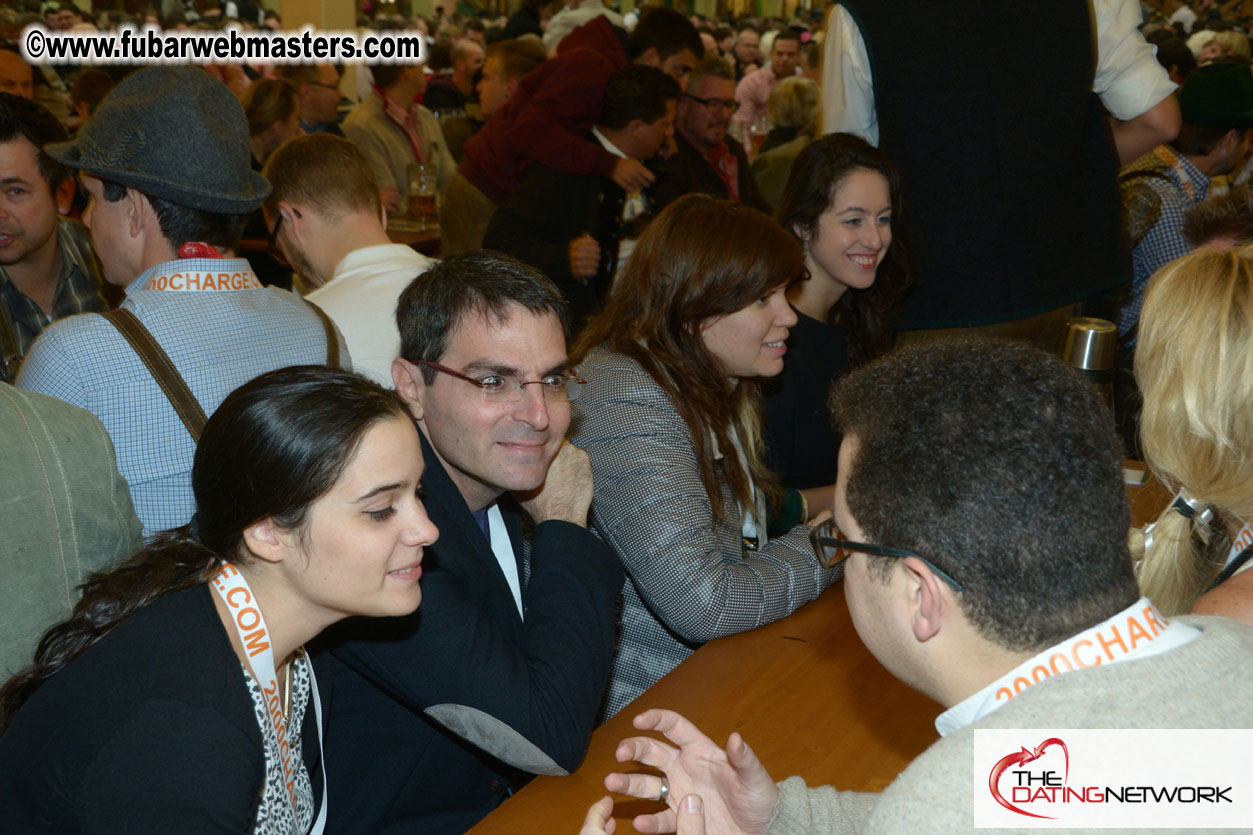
column 532, row 409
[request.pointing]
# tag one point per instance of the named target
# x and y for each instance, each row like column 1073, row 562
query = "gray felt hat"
column 171, row 132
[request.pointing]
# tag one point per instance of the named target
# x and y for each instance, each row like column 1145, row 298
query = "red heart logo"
column 1023, row 757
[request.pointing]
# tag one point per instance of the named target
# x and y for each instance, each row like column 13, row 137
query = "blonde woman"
column 1229, row 43
column 794, row 110
column 1194, row 365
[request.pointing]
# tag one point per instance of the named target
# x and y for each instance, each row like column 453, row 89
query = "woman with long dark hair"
column 842, row 202
column 177, row 697
column 670, row 418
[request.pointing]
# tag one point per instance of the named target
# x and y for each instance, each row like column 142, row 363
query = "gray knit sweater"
column 1203, row 684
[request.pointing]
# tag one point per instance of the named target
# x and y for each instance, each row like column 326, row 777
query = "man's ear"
column 141, row 215
column 926, row 597
column 410, row 385
column 63, row 195
column 267, row 541
column 292, row 217
column 634, row 126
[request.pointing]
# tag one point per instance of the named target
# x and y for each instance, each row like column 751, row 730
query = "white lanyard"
column 254, row 636
column 1136, row 632
column 1242, row 541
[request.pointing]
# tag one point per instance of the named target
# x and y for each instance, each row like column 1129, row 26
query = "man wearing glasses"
column 318, row 86
column 708, row 161
column 981, row 513
column 439, row 716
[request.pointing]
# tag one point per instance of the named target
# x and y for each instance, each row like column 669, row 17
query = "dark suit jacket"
column 687, row 172
column 548, row 210
column 468, row 658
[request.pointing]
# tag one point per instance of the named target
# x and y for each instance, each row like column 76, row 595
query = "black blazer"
column 548, row 210
column 687, row 172
column 467, row 658
column 151, row 729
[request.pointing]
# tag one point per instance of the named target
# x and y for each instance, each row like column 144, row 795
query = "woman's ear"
column 267, row 541
column 800, row 232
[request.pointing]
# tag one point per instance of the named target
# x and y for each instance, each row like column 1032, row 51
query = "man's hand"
column 738, row 794
column 599, row 821
column 390, row 197
column 820, row 518
column 584, row 256
column 631, row 175
column 566, row 493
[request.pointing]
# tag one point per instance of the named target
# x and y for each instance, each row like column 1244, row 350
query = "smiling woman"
column 670, row 420
column 842, row 201
column 145, row 710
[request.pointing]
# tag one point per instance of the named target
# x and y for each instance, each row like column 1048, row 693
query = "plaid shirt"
column 78, row 289
column 1183, row 188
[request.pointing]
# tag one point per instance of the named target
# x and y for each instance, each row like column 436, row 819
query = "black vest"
column 1009, row 198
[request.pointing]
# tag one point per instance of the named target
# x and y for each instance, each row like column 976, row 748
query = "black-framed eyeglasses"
column 714, row 105
column 276, row 251
column 832, row 548
column 498, row 388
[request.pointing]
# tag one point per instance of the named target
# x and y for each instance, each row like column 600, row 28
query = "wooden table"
column 805, row 693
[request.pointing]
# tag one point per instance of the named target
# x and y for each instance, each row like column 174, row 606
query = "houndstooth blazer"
column 689, row 576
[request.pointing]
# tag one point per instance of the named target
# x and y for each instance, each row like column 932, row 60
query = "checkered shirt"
column 217, row 340
column 690, row 577
column 78, row 287
column 1165, row 241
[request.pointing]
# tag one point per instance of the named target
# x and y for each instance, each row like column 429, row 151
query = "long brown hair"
column 818, row 172
column 271, row 449
column 699, row 259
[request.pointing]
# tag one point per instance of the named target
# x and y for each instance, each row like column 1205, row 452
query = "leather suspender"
column 162, row 370
column 171, row 382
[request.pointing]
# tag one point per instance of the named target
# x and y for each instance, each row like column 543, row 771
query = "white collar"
column 502, row 549
column 607, row 145
column 1138, row 631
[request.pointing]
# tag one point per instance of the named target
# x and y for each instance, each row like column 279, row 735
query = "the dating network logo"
column 1046, row 780
column 1068, row 777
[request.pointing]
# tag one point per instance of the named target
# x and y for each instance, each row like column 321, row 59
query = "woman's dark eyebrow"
column 382, row 488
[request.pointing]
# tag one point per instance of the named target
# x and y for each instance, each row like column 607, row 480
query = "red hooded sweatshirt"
column 546, row 118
